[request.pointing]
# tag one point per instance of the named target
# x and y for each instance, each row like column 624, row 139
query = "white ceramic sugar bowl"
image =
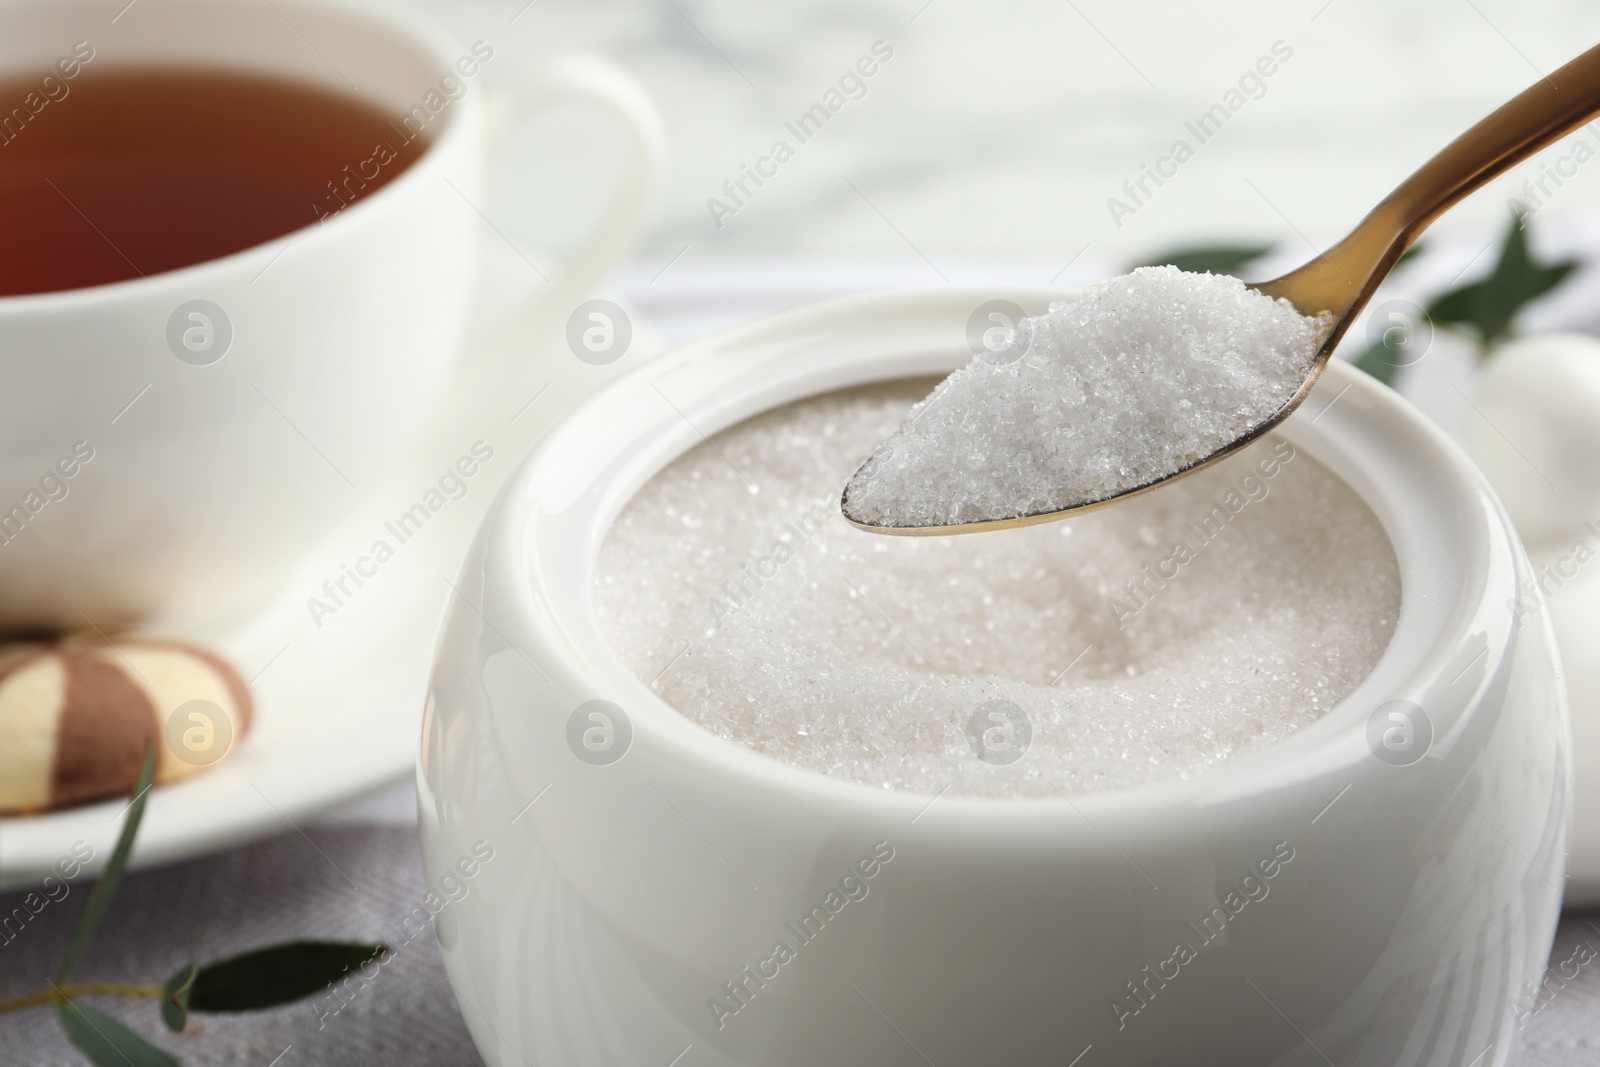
column 1379, row 888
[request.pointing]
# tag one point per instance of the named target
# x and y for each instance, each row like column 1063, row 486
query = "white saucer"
column 337, row 713
column 339, row 706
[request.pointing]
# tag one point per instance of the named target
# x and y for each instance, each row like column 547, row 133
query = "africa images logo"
column 599, row 732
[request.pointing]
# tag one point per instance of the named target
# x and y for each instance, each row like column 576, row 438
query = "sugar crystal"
column 1141, row 643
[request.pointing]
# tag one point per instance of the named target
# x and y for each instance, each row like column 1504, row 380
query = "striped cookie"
column 77, row 718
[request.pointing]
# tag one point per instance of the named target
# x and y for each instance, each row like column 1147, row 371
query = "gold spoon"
column 1339, row 282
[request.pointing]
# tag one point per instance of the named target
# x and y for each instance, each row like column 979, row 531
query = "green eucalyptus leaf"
column 1487, row 307
column 175, row 1003
column 106, row 1040
column 1407, row 256
column 1376, row 361
column 1216, row 259
column 106, row 887
column 267, row 977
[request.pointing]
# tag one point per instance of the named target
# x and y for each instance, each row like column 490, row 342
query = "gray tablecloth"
column 335, row 882
column 346, row 881
column 1565, row 1032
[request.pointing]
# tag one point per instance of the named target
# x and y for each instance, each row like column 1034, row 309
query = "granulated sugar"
column 1140, row 643
column 1140, row 377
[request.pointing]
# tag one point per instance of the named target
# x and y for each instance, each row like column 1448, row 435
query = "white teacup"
column 175, row 443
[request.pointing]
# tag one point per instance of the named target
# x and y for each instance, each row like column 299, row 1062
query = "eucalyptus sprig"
column 262, row 978
column 1484, row 310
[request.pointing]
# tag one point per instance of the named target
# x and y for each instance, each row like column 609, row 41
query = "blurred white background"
column 1002, row 128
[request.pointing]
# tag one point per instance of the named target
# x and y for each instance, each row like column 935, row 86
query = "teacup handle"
column 583, row 76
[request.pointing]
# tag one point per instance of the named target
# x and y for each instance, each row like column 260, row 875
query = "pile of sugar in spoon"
column 1138, row 378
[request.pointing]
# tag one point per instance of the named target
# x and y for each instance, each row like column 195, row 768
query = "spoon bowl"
column 1336, row 285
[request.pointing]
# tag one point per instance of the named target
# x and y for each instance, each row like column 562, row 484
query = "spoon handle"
column 1340, row 281
column 1543, row 113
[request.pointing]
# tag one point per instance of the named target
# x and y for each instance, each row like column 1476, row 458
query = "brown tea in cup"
column 118, row 173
